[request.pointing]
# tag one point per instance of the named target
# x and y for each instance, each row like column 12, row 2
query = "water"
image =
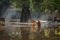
column 12, row 13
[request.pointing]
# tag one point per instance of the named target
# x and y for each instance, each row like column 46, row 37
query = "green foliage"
column 39, row 5
column 50, row 4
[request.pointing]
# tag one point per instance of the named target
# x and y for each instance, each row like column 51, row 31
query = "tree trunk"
column 5, row 4
column 25, row 15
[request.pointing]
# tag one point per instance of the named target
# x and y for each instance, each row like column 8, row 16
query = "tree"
column 3, row 5
column 25, row 15
column 51, row 5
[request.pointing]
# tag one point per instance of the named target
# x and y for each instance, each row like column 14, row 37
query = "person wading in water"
column 39, row 26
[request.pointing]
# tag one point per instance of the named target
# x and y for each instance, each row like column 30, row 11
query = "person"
column 2, row 24
column 55, row 19
column 33, row 26
column 39, row 26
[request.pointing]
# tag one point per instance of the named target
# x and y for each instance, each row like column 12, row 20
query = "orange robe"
column 33, row 26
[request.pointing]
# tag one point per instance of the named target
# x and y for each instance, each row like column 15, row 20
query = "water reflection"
column 15, row 32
